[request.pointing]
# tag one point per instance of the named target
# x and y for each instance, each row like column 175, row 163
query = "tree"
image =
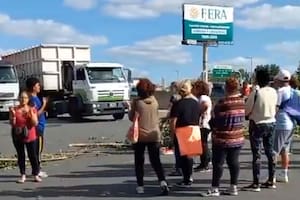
column 272, row 68
column 298, row 72
column 245, row 75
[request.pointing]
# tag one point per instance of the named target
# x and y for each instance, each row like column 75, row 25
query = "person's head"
column 232, row 86
column 283, row 78
column 262, row 77
column 24, row 98
column 185, row 88
column 245, row 84
column 33, row 85
column 145, row 88
column 294, row 82
column 174, row 87
column 200, row 88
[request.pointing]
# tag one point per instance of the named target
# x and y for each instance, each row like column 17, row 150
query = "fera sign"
column 207, row 23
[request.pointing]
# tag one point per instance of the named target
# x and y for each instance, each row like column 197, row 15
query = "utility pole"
column 205, row 61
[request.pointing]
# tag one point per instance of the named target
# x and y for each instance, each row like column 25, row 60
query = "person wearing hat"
column 284, row 124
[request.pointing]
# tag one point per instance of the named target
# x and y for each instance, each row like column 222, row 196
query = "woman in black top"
column 185, row 112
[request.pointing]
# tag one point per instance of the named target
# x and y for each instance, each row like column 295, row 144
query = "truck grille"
column 110, row 95
column 6, row 94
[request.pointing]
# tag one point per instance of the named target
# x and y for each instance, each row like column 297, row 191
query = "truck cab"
column 99, row 89
column 9, row 88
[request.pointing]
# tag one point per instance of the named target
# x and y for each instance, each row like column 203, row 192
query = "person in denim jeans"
column 261, row 109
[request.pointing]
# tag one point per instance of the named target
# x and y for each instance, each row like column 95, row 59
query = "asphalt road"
column 61, row 132
column 111, row 175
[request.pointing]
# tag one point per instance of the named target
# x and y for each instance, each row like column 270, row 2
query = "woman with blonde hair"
column 186, row 112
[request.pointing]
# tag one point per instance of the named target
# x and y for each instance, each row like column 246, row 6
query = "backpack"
column 292, row 106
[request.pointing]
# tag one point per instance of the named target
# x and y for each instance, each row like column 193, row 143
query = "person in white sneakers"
column 284, row 125
column 146, row 106
column 227, row 138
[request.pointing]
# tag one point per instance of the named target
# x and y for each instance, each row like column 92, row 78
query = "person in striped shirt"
column 227, row 137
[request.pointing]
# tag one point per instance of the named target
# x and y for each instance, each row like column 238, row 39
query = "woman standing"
column 146, row 106
column 227, row 137
column 24, row 120
column 201, row 91
column 186, row 112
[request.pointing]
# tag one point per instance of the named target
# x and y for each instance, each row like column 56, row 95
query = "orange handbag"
column 189, row 140
column 133, row 131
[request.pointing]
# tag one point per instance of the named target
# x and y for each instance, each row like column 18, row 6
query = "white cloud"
column 47, row 31
column 166, row 49
column 268, row 16
column 289, row 49
column 81, row 4
column 136, row 72
column 242, row 62
column 136, row 9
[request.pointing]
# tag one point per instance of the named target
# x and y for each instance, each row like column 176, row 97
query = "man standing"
column 284, row 124
column 34, row 88
column 261, row 110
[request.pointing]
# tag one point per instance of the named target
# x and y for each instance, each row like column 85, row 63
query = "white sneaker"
column 140, row 190
column 43, row 174
column 214, row 192
column 281, row 177
column 232, row 190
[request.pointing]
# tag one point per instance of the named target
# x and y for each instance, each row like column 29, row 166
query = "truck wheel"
column 74, row 109
column 118, row 116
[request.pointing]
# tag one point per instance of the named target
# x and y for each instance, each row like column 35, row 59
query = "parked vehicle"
column 72, row 83
column 9, row 88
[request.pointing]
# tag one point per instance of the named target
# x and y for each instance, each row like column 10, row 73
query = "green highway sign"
column 222, row 73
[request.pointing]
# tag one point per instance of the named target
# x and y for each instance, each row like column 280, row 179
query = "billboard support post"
column 205, row 61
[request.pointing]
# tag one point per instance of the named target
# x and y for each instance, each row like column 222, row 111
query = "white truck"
column 72, row 83
column 9, row 88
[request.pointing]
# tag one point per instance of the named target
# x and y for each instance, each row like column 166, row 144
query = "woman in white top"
column 201, row 90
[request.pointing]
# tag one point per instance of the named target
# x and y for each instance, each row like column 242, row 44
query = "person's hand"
column 31, row 113
column 12, row 111
column 45, row 100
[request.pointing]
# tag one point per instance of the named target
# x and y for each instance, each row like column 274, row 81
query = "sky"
column 145, row 35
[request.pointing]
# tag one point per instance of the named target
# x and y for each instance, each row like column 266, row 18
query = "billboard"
column 207, row 23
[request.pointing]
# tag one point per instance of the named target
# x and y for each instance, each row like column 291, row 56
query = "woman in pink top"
column 23, row 119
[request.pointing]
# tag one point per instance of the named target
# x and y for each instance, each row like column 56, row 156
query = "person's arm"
column 204, row 106
column 12, row 116
column 33, row 117
column 43, row 108
column 250, row 103
column 132, row 110
column 173, row 118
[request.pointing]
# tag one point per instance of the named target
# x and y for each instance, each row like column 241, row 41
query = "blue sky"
column 146, row 34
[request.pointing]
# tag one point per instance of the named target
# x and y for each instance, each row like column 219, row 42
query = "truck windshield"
column 107, row 74
column 7, row 74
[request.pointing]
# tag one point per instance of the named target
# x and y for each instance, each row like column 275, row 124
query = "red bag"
column 189, row 140
column 133, row 131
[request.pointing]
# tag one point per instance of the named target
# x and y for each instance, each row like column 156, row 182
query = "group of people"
column 28, row 122
column 224, row 121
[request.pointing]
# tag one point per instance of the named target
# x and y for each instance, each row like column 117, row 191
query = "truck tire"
column 74, row 109
column 51, row 113
column 118, row 116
